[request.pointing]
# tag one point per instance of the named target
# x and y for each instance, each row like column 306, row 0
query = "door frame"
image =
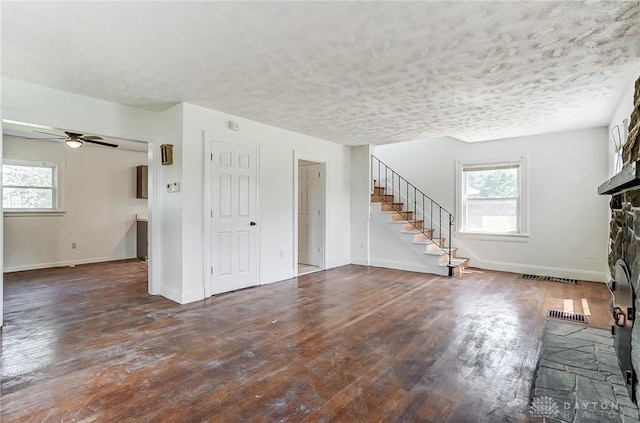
column 297, row 156
column 207, row 222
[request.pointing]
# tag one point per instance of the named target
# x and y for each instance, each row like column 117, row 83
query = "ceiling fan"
column 75, row 140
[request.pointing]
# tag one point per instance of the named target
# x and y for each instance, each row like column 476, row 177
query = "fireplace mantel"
column 627, row 179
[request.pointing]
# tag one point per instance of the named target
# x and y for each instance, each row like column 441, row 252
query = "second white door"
column 310, row 214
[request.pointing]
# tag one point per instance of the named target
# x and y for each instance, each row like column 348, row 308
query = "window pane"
column 491, row 216
column 29, row 176
column 27, row 198
column 492, row 183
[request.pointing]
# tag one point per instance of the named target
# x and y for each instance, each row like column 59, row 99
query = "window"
column 492, row 198
column 29, row 186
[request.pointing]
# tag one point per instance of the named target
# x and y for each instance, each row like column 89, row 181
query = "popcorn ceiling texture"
column 355, row 73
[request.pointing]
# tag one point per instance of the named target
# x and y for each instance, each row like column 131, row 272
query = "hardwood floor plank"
column 349, row 344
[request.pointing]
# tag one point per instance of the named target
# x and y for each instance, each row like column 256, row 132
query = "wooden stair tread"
column 392, row 206
column 439, row 252
column 434, row 247
column 430, row 241
column 414, row 231
column 455, row 261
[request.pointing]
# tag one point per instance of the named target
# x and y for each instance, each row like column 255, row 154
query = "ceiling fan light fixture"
column 74, row 143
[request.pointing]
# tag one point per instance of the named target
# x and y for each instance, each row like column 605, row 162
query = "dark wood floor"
column 352, row 344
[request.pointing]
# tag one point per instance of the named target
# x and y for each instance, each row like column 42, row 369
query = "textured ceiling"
column 355, row 73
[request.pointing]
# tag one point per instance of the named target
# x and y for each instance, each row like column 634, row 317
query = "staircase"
column 420, row 220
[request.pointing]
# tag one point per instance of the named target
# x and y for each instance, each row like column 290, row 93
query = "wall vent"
column 566, row 315
column 550, row 279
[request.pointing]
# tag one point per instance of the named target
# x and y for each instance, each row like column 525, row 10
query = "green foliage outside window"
column 28, row 187
column 492, row 183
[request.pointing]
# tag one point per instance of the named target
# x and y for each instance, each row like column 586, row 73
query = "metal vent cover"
column 567, row 315
column 549, row 278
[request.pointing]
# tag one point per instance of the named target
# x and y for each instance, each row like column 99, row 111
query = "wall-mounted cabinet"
column 142, row 172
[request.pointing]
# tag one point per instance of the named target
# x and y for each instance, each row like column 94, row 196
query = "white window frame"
column 56, row 189
column 522, row 232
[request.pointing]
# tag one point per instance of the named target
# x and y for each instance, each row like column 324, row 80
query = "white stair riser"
column 429, row 255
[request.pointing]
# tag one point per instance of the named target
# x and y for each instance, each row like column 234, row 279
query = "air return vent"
column 550, row 279
column 570, row 316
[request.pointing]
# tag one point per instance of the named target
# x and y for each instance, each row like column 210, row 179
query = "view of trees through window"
column 28, row 187
column 491, row 201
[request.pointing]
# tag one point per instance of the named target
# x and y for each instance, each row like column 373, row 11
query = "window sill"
column 483, row 236
column 34, row 213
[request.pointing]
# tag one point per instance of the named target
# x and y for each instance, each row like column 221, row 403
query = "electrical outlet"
column 281, row 253
column 73, row 245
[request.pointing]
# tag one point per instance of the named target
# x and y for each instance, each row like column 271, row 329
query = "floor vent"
column 550, row 278
column 566, row 315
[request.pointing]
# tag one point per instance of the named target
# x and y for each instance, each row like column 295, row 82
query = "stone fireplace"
column 624, row 252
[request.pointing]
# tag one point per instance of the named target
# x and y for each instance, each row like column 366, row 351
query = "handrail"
column 394, row 184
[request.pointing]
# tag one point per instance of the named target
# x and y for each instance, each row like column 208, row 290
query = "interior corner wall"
column 567, row 235
column 360, row 200
column 97, row 194
column 167, row 214
column 275, row 192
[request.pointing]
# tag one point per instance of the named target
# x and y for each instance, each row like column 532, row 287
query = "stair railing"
column 420, row 205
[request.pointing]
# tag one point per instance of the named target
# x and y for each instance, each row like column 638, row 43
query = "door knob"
column 252, row 223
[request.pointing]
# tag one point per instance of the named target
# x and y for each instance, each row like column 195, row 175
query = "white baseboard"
column 193, row 295
column 558, row 272
column 171, row 294
column 361, row 261
column 409, row 267
column 65, row 263
column 276, row 276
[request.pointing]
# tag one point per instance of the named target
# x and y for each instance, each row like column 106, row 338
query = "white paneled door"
column 233, row 213
column 310, row 214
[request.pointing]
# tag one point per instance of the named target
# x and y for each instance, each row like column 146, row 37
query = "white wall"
column 360, row 210
column 567, row 235
column 98, row 197
column 276, row 181
column 168, row 209
column 622, row 112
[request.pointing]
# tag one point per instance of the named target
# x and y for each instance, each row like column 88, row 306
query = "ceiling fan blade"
column 91, row 137
column 106, row 144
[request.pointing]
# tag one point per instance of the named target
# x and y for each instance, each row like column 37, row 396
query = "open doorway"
column 310, row 212
column 88, row 206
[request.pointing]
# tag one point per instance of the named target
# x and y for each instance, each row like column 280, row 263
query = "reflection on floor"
column 352, row 343
column 303, row 268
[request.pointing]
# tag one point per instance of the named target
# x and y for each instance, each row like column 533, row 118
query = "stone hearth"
column 578, row 378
